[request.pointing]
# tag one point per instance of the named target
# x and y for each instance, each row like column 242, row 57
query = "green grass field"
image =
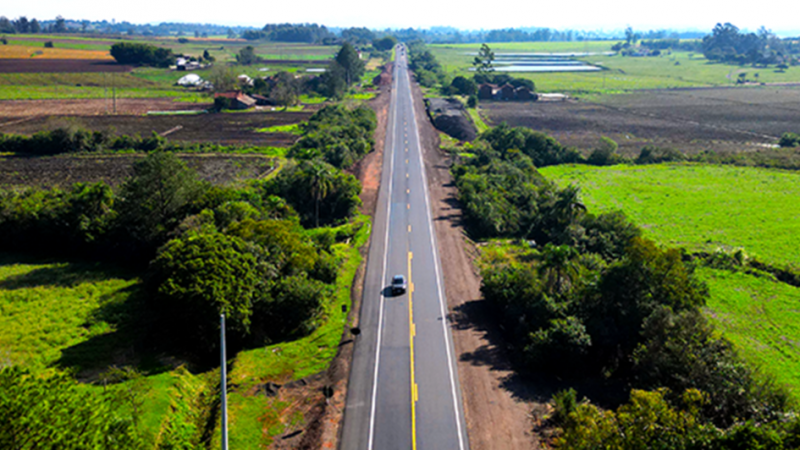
column 81, row 316
column 146, row 82
column 703, row 208
column 700, row 207
column 761, row 317
column 622, row 74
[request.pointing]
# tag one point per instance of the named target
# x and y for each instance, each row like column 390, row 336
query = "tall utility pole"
column 223, row 382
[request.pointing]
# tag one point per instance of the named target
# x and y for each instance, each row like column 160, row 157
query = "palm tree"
column 321, row 180
column 558, row 268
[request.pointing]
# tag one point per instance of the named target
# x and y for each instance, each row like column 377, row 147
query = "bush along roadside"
column 247, row 252
column 584, row 301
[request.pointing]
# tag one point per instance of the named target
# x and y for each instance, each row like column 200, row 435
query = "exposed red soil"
column 43, row 65
column 497, row 405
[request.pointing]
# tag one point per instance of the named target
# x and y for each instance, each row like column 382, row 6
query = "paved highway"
column 403, row 391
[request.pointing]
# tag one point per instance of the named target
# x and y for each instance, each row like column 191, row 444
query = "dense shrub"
column 199, row 276
column 541, row 148
column 142, row 54
column 605, row 154
column 789, row 140
column 653, row 155
column 56, row 221
column 385, row 43
column 338, row 135
column 319, row 193
column 161, row 192
column 52, row 410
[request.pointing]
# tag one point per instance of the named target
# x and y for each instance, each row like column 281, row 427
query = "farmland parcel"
column 707, row 208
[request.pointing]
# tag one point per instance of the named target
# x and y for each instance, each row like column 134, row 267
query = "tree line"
column 727, row 44
column 584, row 300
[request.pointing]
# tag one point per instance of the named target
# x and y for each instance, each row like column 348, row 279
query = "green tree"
column 223, row 79
column 337, row 202
column 320, row 182
column 142, row 54
column 199, row 276
column 60, row 25
column 156, row 198
column 385, row 43
column 286, row 89
column 352, row 64
column 558, row 268
column 247, row 56
column 464, row 86
column 483, row 62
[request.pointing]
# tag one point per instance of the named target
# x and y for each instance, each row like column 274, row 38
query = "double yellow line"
column 412, row 331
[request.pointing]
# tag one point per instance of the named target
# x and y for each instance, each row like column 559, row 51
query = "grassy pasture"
column 703, row 207
column 675, row 70
column 700, row 207
column 761, row 317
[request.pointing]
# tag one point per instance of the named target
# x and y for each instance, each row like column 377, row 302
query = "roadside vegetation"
column 595, row 309
column 277, row 256
column 719, row 216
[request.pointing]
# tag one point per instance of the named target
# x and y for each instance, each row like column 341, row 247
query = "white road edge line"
column 383, row 273
column 440, row 295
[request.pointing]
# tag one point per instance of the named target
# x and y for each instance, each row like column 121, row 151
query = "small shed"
column 506, row 92
column 486, row 91
column 262, row 101
column 522, row 93
column 237, row 99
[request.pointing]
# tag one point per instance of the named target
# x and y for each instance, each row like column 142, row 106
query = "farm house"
column 237, row 99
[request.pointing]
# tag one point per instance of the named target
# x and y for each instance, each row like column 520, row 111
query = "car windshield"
column 398, row 279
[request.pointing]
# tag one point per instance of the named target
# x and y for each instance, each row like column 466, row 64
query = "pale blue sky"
column 560, row 14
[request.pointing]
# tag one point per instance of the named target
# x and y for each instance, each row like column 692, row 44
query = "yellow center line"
column 412, row 331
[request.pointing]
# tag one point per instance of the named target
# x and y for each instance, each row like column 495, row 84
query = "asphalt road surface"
column 403, row 391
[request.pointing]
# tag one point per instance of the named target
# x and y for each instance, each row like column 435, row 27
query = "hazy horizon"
column 681, row 15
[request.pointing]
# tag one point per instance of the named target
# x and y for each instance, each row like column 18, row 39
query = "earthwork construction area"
column 690, row 120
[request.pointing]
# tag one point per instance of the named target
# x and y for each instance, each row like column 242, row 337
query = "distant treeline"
column 286, row 32
column 727, row 44
column 62, row 25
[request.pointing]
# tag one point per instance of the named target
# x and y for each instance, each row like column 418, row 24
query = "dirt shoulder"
column 497, row 405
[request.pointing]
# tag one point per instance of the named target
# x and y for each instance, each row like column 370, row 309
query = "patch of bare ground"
column 91, row 107
column 63, row 171
column 221, row 128
column 324, row 419
column 53, row 65
column 691, row 120
column 497, row 404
